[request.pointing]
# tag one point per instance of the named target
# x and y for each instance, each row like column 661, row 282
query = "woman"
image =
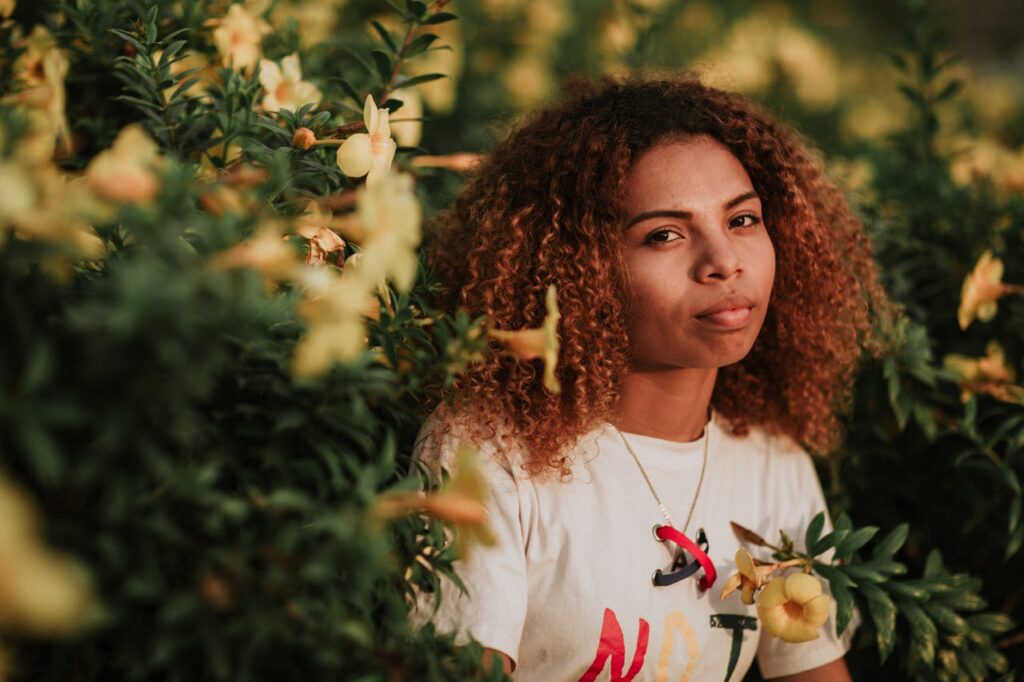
column 716, row 293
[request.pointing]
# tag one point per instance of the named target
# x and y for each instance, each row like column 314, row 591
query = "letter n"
column 612, row 645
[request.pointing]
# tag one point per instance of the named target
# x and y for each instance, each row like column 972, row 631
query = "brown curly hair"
column 544, row 208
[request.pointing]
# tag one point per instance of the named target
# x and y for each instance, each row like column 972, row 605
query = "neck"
column 671, row 404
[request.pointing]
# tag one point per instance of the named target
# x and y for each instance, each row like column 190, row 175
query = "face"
column 700, row 261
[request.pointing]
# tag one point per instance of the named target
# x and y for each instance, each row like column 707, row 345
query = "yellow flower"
column 267, row 252
column 459, row 501
column 313, row 225
column 794, row 607
column 284, row 85
column 6, row 8
column 541, row 342
column 390, row 215
column 372, row 152
column 408, row 132
column 123, row 172
column 334, row 314
column 989, row 374
column 751, row 575
column 239, row 37
column 42, row 67
column 981, row 289
column 40, row 591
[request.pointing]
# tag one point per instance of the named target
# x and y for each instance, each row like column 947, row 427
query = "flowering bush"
column 219, row 339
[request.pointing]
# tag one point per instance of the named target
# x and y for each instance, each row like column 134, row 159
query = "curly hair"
column 545, row 207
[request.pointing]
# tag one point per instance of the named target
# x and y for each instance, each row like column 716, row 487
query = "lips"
column 730, row 312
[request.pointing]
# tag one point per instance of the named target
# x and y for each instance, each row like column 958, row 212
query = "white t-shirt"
column 567, row 592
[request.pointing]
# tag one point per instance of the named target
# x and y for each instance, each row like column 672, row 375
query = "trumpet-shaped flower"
column 267, row 252
column 239, row 36
column 459, row 501
column 751, row 575
column 6, row 8
column 372, row 152
column 123, row 172
column 540, row 342
column 794, row 607
column 408, row 131
column 989, row 374
column 42, row 68
column 390, row 216
column 313, row 225
column 40, row 590
column 980, row 291
column 284, row 85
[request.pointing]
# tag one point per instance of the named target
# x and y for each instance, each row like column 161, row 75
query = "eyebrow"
column 666, row 213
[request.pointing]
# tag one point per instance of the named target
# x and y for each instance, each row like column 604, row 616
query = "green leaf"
column 864, row 574
column 892, row 542
column 844, row 605
column 883, row 612
column 855, row 541
column 418, row 45
column 907, row 590
column 813, row 533
column 923, row 633
column 416, row 7
column 946, row 618
column 385, row 36
column 383, row 63
column 835, row 575
column 829, row 541
column 440, row 18
column 425, row 78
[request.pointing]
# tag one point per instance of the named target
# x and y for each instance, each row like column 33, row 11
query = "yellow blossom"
column 334, row 315
column 239, row 37
column 40, row 591
column 460, row 501
column 989, row 374
column 390, row 214
column 541, row 342
column 409, row 130
column 751, row 575
column 982, row 287
column 794, row 607
column 313, row 225
column 316, row 19
column 267, row 252
column 42, row 68
column 6, row 8
column 124, row 172
column 284, row 85
column 372, row 152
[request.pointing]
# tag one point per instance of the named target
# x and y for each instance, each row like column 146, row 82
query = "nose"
column 718, row 259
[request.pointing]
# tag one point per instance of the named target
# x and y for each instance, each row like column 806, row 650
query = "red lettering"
column 612, row 645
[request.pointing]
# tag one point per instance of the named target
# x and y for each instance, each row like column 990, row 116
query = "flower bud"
column 303, row 138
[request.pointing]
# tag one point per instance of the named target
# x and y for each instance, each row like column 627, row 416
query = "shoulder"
column 773, row 458
column 445, row 431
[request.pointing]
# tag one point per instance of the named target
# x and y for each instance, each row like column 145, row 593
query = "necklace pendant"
column 682, row 567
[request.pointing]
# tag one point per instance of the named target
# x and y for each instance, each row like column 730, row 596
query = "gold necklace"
column 700, row 480
column 681, row 568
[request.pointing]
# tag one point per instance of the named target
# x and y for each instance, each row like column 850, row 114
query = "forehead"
column 699, row 172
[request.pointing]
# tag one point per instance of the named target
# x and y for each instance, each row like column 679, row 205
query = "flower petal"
column 802, row 588
column 774, row 594
column 816, row 610
column 355, row 155
column 745, row 563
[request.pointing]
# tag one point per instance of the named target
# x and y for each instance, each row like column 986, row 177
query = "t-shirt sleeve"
column 800, row 498
column 493, row 608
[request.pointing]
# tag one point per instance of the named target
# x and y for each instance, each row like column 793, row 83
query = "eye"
column 662, row 236
column 754, row 220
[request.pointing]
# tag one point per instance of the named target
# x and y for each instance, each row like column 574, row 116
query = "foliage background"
column 221, row 508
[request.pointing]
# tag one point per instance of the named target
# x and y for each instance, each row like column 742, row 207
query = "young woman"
column 716, row 294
